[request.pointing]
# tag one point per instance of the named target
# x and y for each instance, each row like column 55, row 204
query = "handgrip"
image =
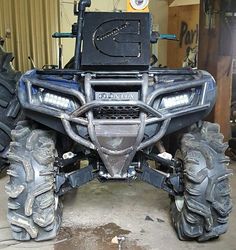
column 155, row 36
column 167, row 37
column 63, row 35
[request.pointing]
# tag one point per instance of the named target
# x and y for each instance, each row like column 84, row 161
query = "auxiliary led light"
column 175, row 101
column 56, row 101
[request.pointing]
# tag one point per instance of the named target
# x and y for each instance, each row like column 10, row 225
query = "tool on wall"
column 210, row 12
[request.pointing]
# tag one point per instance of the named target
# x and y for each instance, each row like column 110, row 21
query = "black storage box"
column 116, row 41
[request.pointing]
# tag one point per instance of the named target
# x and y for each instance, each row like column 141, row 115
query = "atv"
column 118, row 114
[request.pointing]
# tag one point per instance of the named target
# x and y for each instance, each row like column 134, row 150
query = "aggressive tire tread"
column 10, row 111
column 32, row 210
column 207, row 202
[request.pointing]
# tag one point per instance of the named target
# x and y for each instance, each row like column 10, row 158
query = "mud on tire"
column 10, row 112
column 34, row 210
column 206, row 203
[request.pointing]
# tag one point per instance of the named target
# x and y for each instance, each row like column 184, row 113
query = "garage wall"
column 159, row 10
column 28, row 26
column 184, row 22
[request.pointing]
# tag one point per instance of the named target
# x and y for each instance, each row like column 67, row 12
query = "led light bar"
column 56, row 101
column 175, row 101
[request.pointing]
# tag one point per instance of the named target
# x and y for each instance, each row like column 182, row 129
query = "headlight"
column 175, row 101
column 47, row 98
column 56, row 101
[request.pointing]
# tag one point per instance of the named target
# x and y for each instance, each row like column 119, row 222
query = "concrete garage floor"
column 97, row 212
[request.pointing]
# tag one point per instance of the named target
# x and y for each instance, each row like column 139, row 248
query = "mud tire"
column 206, row 200
column 10, row 111
column 34, row 210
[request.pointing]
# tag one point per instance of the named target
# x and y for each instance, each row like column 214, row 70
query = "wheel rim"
column 56, row 202
column 179, row 202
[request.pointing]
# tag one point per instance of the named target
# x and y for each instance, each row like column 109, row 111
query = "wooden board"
column 184, row 2
column 223, row 102
column 220, row 67
column 184, row 22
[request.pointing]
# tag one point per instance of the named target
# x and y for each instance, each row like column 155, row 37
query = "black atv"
column 115, row 111
column 10, row 112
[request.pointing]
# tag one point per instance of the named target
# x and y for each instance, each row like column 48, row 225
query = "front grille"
column 117, row 113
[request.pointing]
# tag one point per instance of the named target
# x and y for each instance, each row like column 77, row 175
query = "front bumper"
column 116, row 140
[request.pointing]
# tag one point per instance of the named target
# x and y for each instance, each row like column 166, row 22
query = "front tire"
column 10, row 111
column 202, row 213
column 34, row 210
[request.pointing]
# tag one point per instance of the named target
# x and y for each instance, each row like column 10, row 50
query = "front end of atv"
column 118, row 114
column 121, row 114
